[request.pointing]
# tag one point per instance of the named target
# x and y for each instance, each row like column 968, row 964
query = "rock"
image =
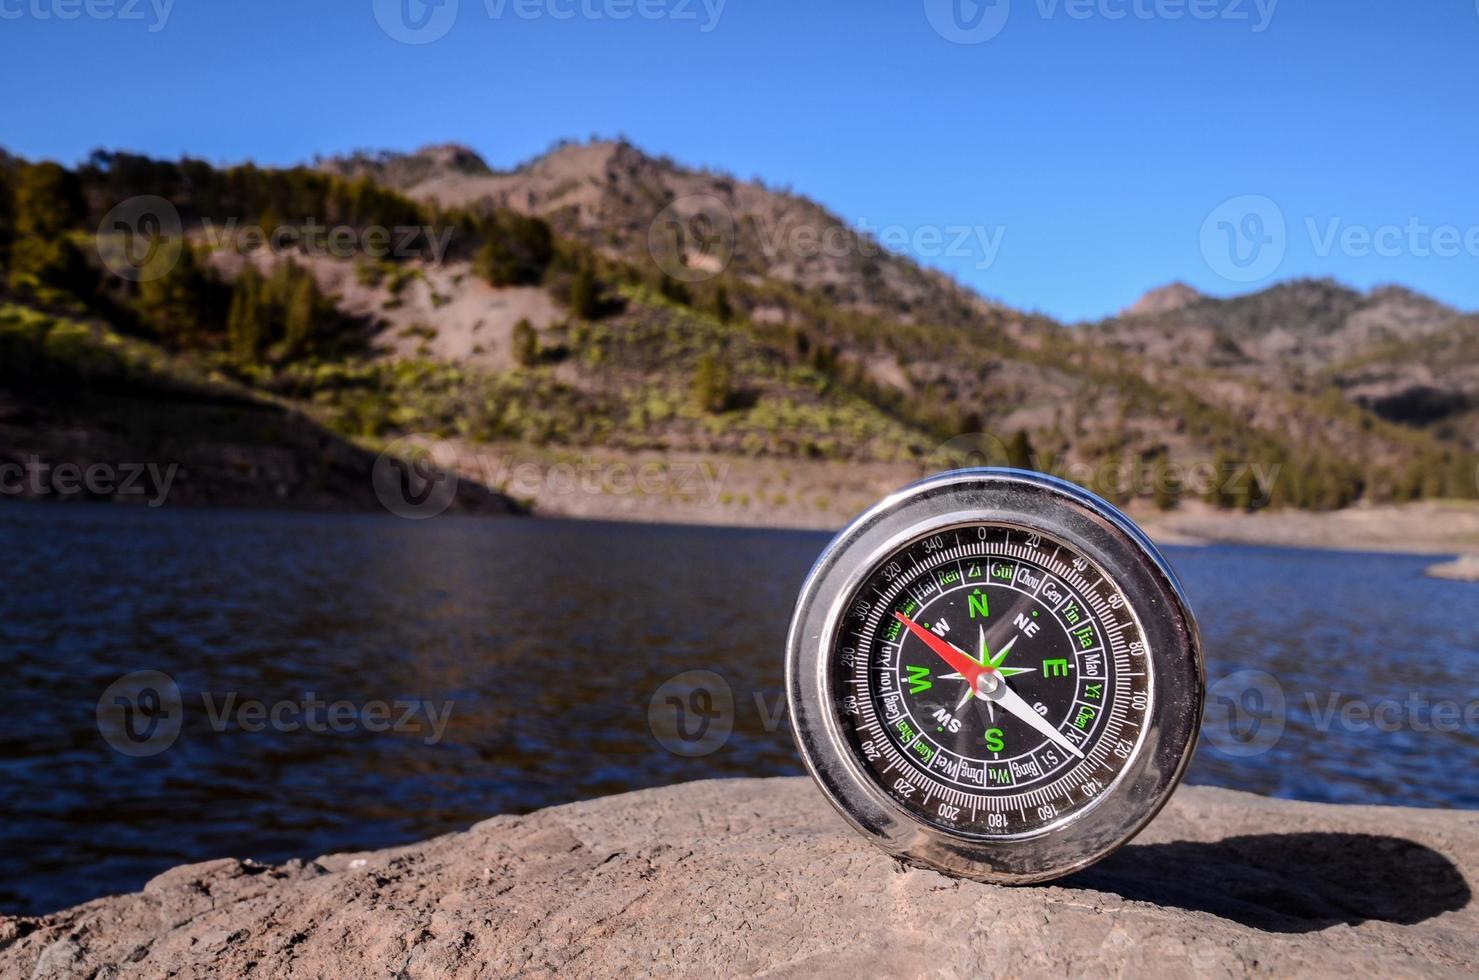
column 1462, row 569
column 1165, row 299
column 740, row 877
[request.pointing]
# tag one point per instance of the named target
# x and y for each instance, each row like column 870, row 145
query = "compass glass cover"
column 1058, row 702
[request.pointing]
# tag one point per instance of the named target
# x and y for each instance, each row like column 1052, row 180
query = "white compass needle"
column 1016, row 706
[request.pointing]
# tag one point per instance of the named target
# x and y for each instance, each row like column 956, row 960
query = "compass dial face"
column 991, row 680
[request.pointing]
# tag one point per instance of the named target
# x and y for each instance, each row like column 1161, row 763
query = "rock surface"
column 1462, row 569
column 745, row 877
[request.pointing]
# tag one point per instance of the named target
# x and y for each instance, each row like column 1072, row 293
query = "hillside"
column 539, row 308
column 1405, row 357
column 610, row 195
column 148, row 429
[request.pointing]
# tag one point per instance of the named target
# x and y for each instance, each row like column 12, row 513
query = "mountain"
column 152, row 429
column 610, row 194
column 1406, row 357
column 1165, row 299
column 602, row 298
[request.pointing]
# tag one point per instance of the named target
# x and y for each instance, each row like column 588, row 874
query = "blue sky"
column 1087, row 141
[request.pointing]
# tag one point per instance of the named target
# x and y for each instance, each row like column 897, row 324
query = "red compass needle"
column 958, row 660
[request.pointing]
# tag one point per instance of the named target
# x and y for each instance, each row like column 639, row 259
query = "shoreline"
column 752, row 876
column 711, row 490
column 816, row 495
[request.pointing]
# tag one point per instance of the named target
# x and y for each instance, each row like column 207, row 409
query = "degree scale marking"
column 921, row 588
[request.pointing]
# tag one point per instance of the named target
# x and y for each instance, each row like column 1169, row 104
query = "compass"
column 995, row 674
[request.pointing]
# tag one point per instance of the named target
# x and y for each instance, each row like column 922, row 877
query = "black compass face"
column 991, row 680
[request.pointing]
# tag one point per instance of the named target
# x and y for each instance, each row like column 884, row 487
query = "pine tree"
column 244, row 327
column 673, row 290
column 46, row 204
column 1167, row 493
column 1216, row 493
column 711, row 392
column 1020, row 455
column 180, row 304
column 525, row 344
column 585, row 300
column 7, row 219
column 721, row 309
column 298, row 319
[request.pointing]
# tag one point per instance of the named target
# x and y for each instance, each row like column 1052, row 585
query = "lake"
column 350, row 682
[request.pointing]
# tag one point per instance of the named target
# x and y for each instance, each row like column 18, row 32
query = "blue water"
column 549, row 640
